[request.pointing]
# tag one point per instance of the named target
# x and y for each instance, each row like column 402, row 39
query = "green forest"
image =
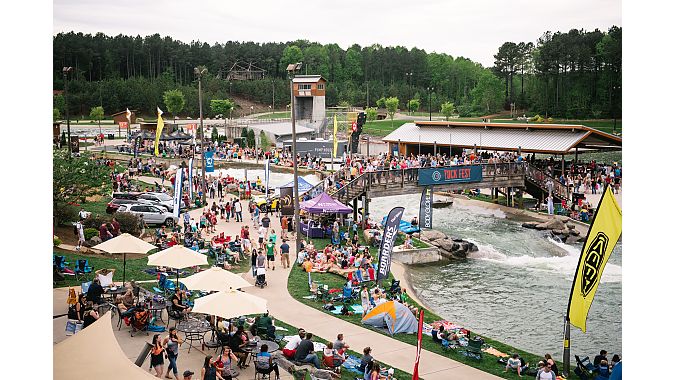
column 574, row 75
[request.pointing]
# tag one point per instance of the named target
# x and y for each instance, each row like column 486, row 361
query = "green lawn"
column 298, row 288
column 383, row 127
column 275, row 115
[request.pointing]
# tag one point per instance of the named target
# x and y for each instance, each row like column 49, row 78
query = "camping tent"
column 397, row 317
column 324, row 204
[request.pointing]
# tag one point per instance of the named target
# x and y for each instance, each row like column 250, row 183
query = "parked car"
column 151, row 214
column 161, row 198
column 130, row 195
column 114, row 204
column 263, row 205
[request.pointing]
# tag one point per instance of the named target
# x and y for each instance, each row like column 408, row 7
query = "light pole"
column 429, row 102
column 66, row 70
column 199, row 72
column 409, row 79
column 292, row 69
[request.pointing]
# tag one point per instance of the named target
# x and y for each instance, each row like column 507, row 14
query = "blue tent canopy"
column 303, row 185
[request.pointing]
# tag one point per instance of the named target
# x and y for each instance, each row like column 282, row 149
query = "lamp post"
column 199, row 72
column 429, row 102
column 409, row 80
column 66, row 70
column 291, row 69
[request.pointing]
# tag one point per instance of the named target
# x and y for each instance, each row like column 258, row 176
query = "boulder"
column 557, row 232
column 95, row 240
column 529, row 224
column 574, row 238
column 555, row 224
column 432, row 235
column 541, row 226
column 574, row 232
column 446, row 244
column 571, row 226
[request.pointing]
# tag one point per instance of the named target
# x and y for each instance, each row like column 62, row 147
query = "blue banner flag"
column 190, row 178
column 209, row 159
column 387, row 244
column 178, row 186
column 447, row 175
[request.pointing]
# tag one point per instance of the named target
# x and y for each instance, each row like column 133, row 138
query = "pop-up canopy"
column 324, row 204
column 303, row 185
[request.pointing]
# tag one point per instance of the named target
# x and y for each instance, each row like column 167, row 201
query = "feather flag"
column 335, row 137
column 160, row 126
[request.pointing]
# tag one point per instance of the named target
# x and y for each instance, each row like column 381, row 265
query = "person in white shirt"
column 290, row 349
column 546, row 373
column 80, row 235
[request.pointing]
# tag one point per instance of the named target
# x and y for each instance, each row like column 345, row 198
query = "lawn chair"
column 82, row 268
column 473, row 349
column 60, row 262
column 585, row 369
column 395, row 288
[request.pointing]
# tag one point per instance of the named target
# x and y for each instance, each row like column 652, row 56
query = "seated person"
column 126, row 301
column 514, row 363
column 331, row 359
column 177, row 305
column 90, row 315
column 603, row 370
column 264, row 363
column 436, row 334
column 307, row 265
column 366, row 360
column 95, row 292
column 105, row 276
column 408, row 243
column 289, row 350
column 237, row 343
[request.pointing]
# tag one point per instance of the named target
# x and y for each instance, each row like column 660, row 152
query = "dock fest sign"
column 449, row 175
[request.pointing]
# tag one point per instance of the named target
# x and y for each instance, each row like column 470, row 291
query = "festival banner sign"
column 158, row 132
column 178, row 187
column 604, row 233
column 425, row 215
column 267, row 177
column 209, row 159
column 335, row 136
column 448, row 175
column 190, row 178
column 286, row 197
column 387, row 244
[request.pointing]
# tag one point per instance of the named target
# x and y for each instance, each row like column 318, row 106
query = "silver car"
column 151, row 214
column 161, row 198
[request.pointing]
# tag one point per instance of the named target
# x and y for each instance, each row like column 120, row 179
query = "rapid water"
column 515, row 289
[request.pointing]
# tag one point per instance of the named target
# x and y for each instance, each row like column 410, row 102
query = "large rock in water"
column 432, row 235
column 529, row 224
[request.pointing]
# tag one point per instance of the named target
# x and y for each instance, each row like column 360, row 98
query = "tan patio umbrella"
column 94, row 353
column 177, row 257
column 125, row 243
column 230, row 304
column 215, row 278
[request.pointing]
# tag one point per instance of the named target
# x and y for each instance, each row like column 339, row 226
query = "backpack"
column 140, row 321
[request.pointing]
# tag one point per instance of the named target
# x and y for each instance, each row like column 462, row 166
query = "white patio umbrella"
column 125, row 243
column 177, row 257
column 230, row 304
column 80, row 356
column 215, row 278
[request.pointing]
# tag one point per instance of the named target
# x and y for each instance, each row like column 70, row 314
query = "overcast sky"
column 470, row 28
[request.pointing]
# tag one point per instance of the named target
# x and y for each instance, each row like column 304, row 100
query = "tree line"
column 573, row 74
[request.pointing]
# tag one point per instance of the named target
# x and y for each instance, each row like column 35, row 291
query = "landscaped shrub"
column 65, row 213
column 57, row 241
column 90, row 233
column 129, row 223
column 95, row 222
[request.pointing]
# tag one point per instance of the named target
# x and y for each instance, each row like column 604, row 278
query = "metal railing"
column 540, row 178
column 381, row 180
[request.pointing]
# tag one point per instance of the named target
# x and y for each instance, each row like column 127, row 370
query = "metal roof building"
column 529, row 138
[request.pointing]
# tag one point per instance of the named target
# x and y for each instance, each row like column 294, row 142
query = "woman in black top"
column 157, row 356
column 209, row 371
column 90, row 316
column 77, row 311
column 237, row 342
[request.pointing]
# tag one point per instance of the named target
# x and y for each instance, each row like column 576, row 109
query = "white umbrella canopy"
column 230, row 304
column 215, row 278
column 177, row 257
column 125, row 243
column 80, row 356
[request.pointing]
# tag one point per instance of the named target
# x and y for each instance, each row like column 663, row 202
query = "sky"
column 473, row 29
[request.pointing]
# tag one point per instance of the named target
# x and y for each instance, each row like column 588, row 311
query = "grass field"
column 382, row 128
column 275, row 115
column 298, row 288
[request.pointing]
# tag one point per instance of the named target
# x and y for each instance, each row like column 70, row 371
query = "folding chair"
column 473, row 349
column 82, row 268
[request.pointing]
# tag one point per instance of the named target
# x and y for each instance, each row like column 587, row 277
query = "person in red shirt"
column 116, row 227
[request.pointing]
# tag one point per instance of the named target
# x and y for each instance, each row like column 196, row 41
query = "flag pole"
column 566, row 346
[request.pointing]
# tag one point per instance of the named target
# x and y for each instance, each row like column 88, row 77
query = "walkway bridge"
column 385, row 183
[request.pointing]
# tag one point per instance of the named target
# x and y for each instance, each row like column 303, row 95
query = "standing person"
column 238, row 211
column 256, row 215
column 285, row 225
column 365, row 299
column 142, row 226
column 171, row 342
column 116, row 227
column 80, row 235
column 157, row 356
column 220, row 189
column 265, row 222
column 550, row 204
column 261, row 237
column 254, row 263
column 186, row 222
column 284, row 253
column 224, row 363
column 228, row 209
column 104, row 234
column 260, row 260
column 209, row 371
column 271, row 252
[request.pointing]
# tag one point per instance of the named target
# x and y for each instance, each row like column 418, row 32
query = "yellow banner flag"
column 158, row 133
column 604, row 233
column 335, row 136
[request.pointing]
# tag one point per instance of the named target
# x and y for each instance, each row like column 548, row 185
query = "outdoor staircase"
column 536, row 185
